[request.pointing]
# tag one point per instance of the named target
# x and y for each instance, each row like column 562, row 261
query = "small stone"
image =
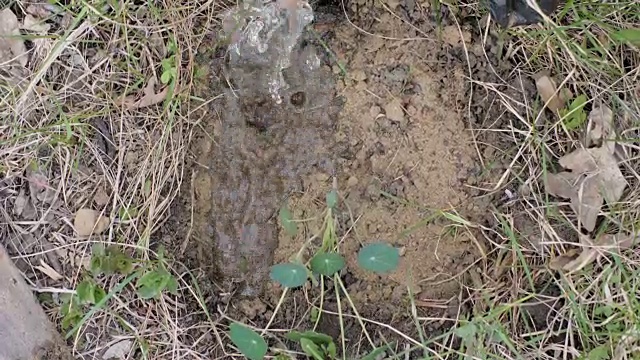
column 352, row 181
column 322, row 177
column 358, row 75
column 101, row 198
column 393, row 110
column 402, row 250
column 375, row 111
column 88, row 221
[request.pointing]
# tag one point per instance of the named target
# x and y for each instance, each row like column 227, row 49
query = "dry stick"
column 275, row 311
column 355, row 310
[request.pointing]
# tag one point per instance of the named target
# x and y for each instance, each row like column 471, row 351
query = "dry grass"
column 588, row 314
column 75, row 136
column 83, row 128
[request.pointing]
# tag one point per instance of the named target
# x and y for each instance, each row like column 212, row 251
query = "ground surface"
column 127, row 178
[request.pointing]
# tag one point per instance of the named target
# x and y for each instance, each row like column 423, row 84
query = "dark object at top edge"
column 509, row 13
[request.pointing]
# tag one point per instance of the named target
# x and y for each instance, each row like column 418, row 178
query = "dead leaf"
column 19, row 203
column 549, row 94
column 48, row 270
column 39, row 187
column 43, row 10
column 593, row 250
column 119, row 350
column 23, row 207
column 88, row 221
column 600, row 126
column 594, row 174
column 11, row 45
column 38, row 26
column 149, row 98
column 594, row 177
column 101, row 198
column 558, row 263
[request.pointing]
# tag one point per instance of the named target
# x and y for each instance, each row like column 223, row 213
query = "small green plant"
column 378, row 257
column 169, row 68
column 156, row 278
column 249, row 342
column 316, row 345
column 574, row 116
column 109, row 261
column 153, row 278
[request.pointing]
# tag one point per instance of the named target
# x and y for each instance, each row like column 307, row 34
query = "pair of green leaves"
column 291, row 275
column 380, row 258
column 316, row 345
column 110, row 261
column 155, row 281
column 87, row 293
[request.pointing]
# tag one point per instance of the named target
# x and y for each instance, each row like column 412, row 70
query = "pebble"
column 375, row 111
column 352, row 181
column 393, row 110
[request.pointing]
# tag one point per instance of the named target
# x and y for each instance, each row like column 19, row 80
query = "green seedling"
column 249, row 342
column 574, row 116
column 379, row 257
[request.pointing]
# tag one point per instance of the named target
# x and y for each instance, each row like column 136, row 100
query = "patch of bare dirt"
column 401, row 153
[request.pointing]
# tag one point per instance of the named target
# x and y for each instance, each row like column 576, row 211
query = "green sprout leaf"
column 327, row 264
column 286, row 219
column 316, row 337
column 574, row 116
column 249, row 342
column 467, row 331
column 289, row 275
column 312, row 349
column 630, row 35
column 379, row 257
column 332, row 199
column 86, row 292
column 150, row 285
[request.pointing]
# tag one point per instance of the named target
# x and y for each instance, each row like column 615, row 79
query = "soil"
column 399, row 150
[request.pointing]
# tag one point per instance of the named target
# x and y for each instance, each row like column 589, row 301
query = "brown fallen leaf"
column 574, row 260
column 12, row 47
column 600, row 127
column 88, row 221
column 39, row 186
column 33, row 24
column 594, row 175
column 23, row 207
column 549, row 94
column 149, row 98
column 49, row 271
column 118, row 350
